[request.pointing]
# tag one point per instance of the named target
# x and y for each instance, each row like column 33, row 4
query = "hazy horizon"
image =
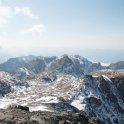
column 95, row 55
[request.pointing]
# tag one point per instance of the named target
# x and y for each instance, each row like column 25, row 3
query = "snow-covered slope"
column 73, row 65
column 24, row 73
column 76, row 65
column 39, row 93
column 97, row 95
column 100, row 97
column 53, row 83
column 9, row 83
column 30, row 65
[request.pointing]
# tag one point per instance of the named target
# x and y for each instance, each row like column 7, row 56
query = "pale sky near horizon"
column 36, row 24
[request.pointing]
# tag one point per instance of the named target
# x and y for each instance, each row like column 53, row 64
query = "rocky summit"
column 61, row 90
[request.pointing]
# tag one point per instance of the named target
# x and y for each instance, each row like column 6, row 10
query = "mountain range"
column 66, row 83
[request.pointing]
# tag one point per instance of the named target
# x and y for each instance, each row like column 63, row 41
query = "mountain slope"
column 117, row 65
column 97, row 94
column 100, row 98
column 8, row 83
column 32, row 64
column 57, row 82
column 74, row 65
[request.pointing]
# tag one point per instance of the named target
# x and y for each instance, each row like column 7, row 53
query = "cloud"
column 7, row 12
column 25, row 11
column 36, row 30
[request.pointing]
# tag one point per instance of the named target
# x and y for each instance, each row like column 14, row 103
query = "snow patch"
column 78, row 103
column 40, row 108
column 106, row 78
column 105, row 64
column 48, row 99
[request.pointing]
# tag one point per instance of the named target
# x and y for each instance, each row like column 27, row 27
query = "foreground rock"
column 17, row 115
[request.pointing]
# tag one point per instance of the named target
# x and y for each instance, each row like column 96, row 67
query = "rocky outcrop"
column 18, row 116
column 116, row 76
column 4, row 88
column 62, row 106
column 8, row 83
column 119, row 83
column 101, row 96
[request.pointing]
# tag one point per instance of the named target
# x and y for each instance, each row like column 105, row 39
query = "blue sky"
column 32, row 25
